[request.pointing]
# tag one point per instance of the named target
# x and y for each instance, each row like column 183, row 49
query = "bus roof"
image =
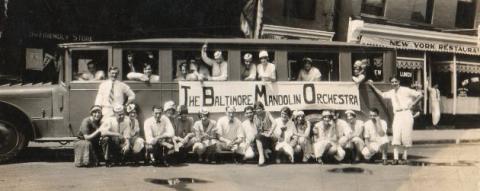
column 225, row 41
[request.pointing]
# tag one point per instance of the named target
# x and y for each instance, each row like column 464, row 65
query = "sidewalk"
column 449, row 136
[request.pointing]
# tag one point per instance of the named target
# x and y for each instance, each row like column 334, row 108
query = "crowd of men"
column 113, row 133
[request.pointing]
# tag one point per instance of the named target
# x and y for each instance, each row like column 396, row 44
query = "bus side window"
column 309, row 66
column 89, row 65
column 368, row 64
column 248, row 67
column 140, row 65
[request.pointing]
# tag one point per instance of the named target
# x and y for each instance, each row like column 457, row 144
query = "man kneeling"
column 158, row 136
column 376, row 138
column 230, row 134
column 115, row 136
column 326, row 139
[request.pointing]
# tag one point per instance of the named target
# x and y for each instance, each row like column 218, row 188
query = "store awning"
column 409, row 64
column 412, row 39
column 462, row 67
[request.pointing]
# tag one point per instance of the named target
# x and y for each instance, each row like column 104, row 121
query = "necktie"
column 110, row 96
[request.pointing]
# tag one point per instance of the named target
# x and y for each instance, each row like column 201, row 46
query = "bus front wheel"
column 12, row 140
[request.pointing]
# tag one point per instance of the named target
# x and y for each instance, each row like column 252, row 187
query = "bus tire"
column 12, row 140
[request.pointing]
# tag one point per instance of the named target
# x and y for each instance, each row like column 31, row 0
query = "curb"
column 445, row 141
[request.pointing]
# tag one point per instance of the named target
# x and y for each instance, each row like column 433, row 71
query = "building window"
column 135, row 61
column 465, row 17
column 422, row 11
column 368, row 64
column 89, row 65
column 373, row 7
column 300, row 9
column 325, row 63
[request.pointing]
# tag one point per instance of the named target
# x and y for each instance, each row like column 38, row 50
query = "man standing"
column 158, row 136
column 309, row 72
column 376, row 138
column 229, row 130
column 219, row 65
column 115, row 136
column 403, row 100
column 266, row 70
column 112, row 92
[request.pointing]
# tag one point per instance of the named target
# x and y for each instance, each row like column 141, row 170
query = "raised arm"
column 375, row 89
column 205, row 58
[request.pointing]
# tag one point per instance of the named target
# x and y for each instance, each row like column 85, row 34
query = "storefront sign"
column 419, row 45
column 60, row 36
column 215, row 96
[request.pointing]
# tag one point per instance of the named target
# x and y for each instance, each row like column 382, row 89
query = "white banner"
column 215, row 96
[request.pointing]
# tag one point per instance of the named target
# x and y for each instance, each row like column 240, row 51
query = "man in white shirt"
column 309, row 72
column 92, row 73
column 266, row 70
column 250, row 69
column 115, row 136
column 376, row 138
column 146, row 76
column 229, row 131
column 113, row 92
column 158, row 136
column 218, row 64
column 403, row 100
column 248, row 146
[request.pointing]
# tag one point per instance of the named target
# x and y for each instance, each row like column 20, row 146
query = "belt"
column 400, row 110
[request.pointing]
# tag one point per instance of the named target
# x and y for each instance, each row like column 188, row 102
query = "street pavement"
column 433, row 167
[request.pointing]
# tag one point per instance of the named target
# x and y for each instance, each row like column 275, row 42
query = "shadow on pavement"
column 44, row 154
column 176, row 183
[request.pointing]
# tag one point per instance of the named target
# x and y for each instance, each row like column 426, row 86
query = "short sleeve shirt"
column 312, row 75
column 266, row 71
column 372, row 132
column 401, row 98
column 229, row 130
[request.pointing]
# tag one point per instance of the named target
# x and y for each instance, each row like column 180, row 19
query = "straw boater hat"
column 326, row 113
column 350, row 112
column 247, row 56
column 297, row 113
column 217, row 54
column 131, row 108
column 118, row 108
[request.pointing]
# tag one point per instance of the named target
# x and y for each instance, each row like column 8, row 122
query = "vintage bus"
column 53, row 112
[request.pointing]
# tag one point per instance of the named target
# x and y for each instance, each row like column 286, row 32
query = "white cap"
column 169, row 105
column 262, row 54
column 217, row 54
column 204, row 111
column 326, row 112
column 297, row 113
column 350, row 112
column 118, row 108
column 247, row 56
column 230, row 108
column 131, row 107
